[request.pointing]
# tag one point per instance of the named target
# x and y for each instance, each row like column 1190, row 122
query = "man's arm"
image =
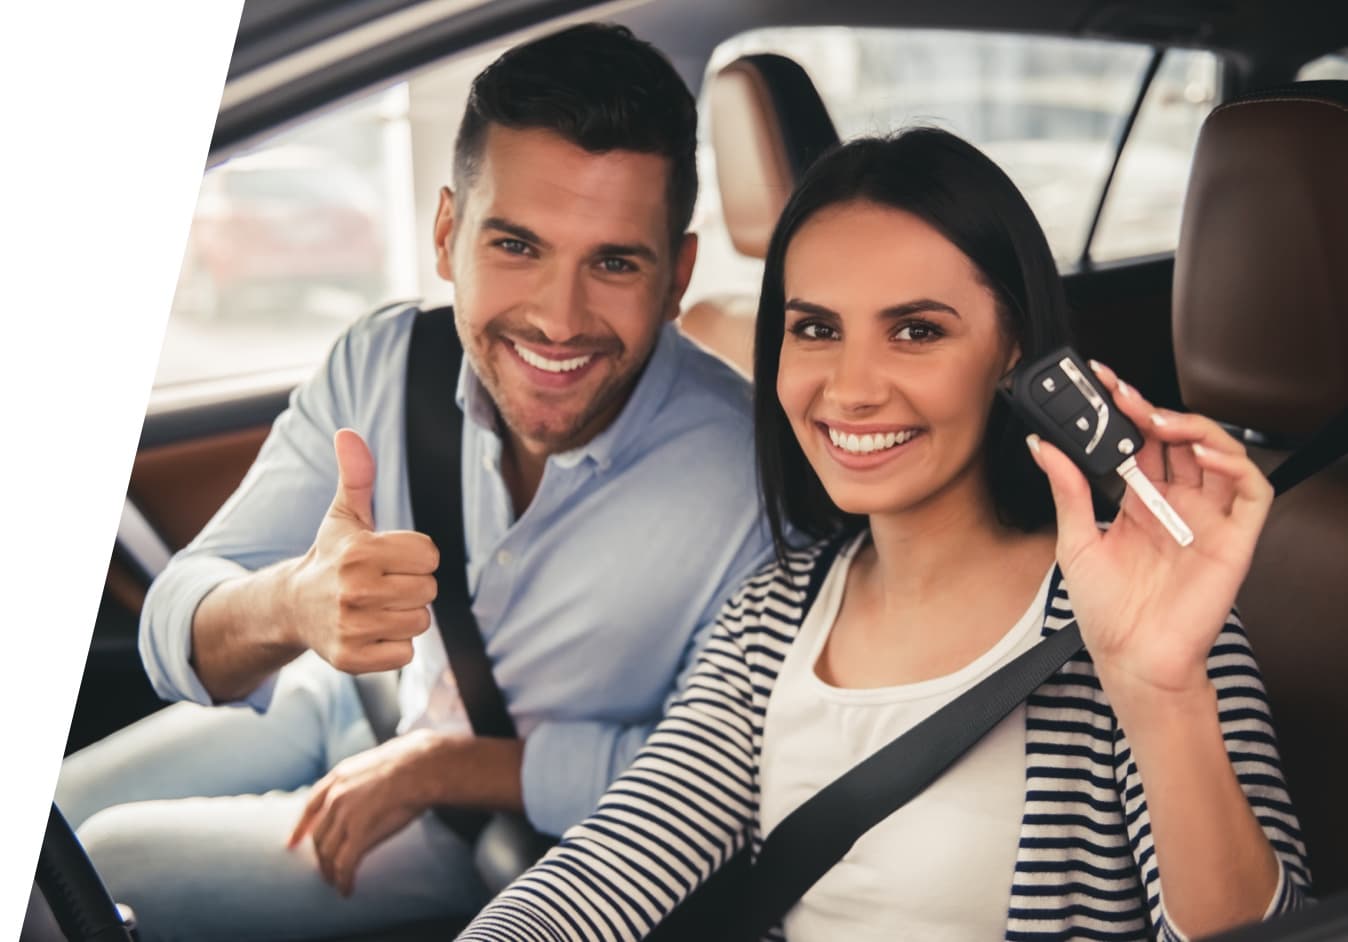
column 259, row 584
column 356, row 597
column 241, row 632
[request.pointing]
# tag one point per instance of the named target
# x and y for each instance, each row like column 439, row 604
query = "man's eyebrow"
column 621, row 249
column 890, row 313
column 515, row 230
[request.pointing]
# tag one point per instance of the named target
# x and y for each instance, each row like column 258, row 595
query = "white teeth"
column 551, row 366
column 866, row 444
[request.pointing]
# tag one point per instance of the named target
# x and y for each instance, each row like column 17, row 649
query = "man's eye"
column 513, row 246
column 616, row 266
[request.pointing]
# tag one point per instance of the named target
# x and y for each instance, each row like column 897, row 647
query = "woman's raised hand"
column 1149, row 609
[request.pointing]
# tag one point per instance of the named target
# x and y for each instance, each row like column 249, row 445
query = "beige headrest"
column 768, row 125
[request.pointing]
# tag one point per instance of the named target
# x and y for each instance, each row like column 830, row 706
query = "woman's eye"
column 813, row 330
column 616, row 266
column 917, row 331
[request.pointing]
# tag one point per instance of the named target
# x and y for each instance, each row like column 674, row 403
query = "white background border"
column 107, row 109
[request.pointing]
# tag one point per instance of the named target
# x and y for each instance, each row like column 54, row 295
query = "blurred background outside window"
column 332, row 218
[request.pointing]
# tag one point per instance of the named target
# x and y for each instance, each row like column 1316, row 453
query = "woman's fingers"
column 1150, row 457
column 1251, row 494
column 1071, row 499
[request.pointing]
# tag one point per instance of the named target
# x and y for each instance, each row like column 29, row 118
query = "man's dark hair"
column 960, row 192
column 597, row 86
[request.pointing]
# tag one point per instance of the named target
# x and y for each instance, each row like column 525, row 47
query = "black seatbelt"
column 434, row 431
column 433, row 428
column 1318, row 452
column 817, row 835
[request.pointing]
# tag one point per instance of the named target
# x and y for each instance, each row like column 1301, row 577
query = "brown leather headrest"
column 1261, row 271
column 768, row 125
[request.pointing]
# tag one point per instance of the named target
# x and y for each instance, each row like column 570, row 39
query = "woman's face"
column 890, row 358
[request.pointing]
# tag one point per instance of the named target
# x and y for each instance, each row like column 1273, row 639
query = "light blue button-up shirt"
column 592, row 603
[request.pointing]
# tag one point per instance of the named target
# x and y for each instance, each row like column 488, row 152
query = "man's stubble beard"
column 610, row 397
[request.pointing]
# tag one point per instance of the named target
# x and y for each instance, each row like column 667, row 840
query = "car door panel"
column 188, row 463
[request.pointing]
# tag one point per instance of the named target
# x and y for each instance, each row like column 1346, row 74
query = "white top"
column 941, row 866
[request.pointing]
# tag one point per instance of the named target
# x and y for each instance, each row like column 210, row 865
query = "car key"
column 1059, row 397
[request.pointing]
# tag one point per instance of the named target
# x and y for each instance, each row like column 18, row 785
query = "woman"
column 1137, row 793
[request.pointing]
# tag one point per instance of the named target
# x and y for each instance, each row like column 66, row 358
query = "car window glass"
column 1049, row 110
column 1141, row 214
column 300, row 235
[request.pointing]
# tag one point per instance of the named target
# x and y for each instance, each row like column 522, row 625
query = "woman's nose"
column 855, row 383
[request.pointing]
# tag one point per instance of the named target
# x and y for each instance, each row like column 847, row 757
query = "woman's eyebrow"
column 890, row 313
column 807, row 307
column 914, row 307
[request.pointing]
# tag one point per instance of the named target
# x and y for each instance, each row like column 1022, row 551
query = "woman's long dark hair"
column 956, row 189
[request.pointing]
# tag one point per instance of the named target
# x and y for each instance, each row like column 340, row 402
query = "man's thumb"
column 355, row 476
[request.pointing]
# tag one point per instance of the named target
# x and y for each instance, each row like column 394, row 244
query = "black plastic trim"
column 367, row 69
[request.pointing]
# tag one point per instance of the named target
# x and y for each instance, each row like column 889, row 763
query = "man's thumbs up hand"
column 359, row 597
column 355, row 478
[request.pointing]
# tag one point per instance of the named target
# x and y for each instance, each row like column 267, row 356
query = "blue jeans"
column 186, row 814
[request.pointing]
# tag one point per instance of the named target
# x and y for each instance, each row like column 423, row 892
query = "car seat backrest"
column 768, row 124
column 1261, row 344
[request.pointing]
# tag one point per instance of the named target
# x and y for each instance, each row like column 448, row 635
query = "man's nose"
column 559, row 309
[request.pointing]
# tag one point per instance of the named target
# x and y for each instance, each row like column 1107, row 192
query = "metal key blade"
column 1158, row 505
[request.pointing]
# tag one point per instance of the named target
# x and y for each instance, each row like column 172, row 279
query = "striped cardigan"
column 1085, row 868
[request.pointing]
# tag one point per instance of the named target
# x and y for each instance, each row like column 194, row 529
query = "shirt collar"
column 624, row 431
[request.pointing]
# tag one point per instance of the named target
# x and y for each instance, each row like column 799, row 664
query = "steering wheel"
column 78, row 900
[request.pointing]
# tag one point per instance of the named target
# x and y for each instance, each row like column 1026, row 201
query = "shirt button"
column 487, row 463
column 504, row 557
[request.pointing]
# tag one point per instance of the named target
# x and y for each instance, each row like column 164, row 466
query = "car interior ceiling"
column 1124, row 313
column 1262, row 42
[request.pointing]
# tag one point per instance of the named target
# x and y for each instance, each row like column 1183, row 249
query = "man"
column 609, row 510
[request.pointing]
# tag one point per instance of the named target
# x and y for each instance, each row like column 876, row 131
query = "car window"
column 1333, row 66
column 1141, row 214
column 297, row 237
column 1048, row 110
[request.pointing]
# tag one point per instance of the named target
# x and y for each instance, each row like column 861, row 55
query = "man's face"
column 563, row 275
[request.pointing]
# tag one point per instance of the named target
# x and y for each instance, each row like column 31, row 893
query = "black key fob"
column 1060, row 399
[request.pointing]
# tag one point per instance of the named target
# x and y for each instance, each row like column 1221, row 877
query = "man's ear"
column 683, row 273
column 444, row 232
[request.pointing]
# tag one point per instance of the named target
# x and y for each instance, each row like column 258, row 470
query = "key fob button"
column 1065, row 406
column 1048, row 384
column 1081, row 427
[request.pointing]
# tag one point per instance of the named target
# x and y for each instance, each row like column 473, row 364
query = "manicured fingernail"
column 1159, row 420
column 1199, row 450
column 1033, row 442
column 1097, row 365
column 1126, row 390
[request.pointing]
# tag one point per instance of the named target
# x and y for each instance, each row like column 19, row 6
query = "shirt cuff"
column 166, row 630
column 1172, row 933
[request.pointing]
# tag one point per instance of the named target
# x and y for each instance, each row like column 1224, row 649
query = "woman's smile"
column 860, row 448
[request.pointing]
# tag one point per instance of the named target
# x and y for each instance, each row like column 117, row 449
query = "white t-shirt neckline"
column 823, row 615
